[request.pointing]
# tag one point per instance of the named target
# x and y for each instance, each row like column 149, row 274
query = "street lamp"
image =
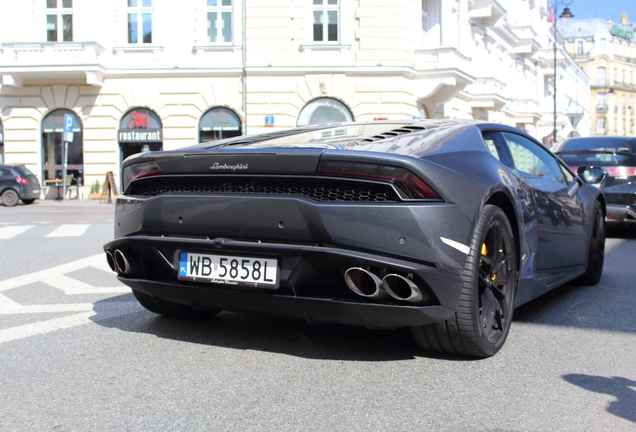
column 566, row 14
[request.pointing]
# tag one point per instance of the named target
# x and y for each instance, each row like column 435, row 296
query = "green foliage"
column 95, row 187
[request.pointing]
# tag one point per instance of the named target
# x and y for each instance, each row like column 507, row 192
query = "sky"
column 606, row 9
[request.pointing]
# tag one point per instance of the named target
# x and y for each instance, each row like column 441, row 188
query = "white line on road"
column 8, row 232
column 69, row 230
column 42, row 327
column 82, row 313
column 96, row 261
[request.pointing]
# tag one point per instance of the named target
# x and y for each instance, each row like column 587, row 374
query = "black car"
column 617, row 155
column 18, row 183
column 442, row 226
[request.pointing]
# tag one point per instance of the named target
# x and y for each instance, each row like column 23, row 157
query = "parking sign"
column 69, row 122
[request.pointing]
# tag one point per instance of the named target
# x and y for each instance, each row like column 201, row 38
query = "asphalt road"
column 77, row 353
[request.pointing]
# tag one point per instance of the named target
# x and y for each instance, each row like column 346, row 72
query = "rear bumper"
column 620, row 214
column 312, row 310
column 311, row 284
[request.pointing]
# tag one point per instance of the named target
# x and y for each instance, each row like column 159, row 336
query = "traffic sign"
column 69, row 122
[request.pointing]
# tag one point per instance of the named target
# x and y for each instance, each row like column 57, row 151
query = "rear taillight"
column 135, row 171
column 401, row 177
column 22, row 180
column 620, row 171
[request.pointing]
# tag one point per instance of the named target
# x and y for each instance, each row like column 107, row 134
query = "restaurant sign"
column 140, row 125
column 220, row 119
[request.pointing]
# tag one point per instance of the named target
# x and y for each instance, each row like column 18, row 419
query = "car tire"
column 596, row 251
column 28, row 201
column 484, row 314
column 171, row 309
column 10, row 198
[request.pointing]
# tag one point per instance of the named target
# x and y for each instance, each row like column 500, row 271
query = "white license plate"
column 228, row 269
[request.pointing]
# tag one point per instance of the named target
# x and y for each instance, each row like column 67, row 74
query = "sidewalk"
column 70, row 203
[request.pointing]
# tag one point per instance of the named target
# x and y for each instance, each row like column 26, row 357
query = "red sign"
column 137, row 119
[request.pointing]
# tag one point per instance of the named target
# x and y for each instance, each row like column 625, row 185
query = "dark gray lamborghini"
column 443, row 226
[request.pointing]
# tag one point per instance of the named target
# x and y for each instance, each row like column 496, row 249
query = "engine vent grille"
column 319, row 189
column 394, row 133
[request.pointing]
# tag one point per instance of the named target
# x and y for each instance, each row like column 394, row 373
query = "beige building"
column 606, row 51
column 138, row 75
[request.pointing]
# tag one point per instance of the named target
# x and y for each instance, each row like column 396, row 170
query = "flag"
column 551, row 18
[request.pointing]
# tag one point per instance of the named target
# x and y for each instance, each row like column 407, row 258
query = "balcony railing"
column 601, row 108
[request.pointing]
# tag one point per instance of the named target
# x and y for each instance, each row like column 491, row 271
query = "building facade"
column 606, row 51
column 141, row 75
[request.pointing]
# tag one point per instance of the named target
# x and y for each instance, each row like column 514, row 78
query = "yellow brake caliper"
column 484, row 251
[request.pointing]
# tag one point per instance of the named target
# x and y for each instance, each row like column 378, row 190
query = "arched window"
column 324, row 110
column 53, row 147
column 140, row 130
column 219, row 123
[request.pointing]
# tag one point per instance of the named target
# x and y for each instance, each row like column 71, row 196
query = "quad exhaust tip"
column 366, row 284
column 111, row 261
column 401, row 288
column 122, row 265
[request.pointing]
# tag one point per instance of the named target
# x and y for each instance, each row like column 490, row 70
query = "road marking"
column 42, row 327
column 13, row 230
column 69, row 230
column 81, row 313
column 57, row 278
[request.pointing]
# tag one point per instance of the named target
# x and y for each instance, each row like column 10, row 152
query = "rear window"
column 23, row 171
column 588, row 158
column 600, row 145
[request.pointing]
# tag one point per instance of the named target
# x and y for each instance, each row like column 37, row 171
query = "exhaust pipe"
column 364, row 283
column 121, row 262
column 401, row 288
column 111, row 261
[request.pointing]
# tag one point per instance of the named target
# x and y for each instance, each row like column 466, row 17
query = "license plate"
column 229, row 269
column 36, row 190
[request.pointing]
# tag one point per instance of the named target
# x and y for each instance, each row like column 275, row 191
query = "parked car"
column 443, row 226
column 617, row 155
column 18, row 183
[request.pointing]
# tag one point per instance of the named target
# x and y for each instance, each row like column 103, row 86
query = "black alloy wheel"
column 10, row 198
column 596, row 252
column 486, row 304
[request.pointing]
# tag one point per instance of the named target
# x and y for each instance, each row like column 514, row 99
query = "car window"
column 490, row 144
column 531, row 159
column 23, row 171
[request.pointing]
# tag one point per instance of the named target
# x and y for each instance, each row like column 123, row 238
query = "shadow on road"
column 606, row 306
column 621, row 388
column 272, row 334
column 570, row 305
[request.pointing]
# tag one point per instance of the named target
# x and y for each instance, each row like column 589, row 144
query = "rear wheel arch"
column 504, row 202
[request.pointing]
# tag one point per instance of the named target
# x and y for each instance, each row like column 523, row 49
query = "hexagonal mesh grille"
column 319, row 189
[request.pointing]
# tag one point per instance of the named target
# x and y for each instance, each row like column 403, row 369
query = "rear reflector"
column 401, row 177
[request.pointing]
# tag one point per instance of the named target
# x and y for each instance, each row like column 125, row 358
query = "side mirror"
column 591, row 174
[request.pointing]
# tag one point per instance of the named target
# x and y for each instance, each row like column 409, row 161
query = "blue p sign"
column 69, row 121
